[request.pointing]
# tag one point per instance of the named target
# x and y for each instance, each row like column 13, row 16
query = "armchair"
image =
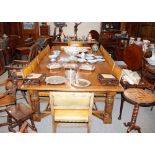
column 19, row 64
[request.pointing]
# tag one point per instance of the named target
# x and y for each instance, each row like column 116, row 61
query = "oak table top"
column 95, row 86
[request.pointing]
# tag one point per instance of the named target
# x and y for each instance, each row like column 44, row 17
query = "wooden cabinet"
column 45, row 30
column 145, row 30
column 2, row 62
column 30, row 29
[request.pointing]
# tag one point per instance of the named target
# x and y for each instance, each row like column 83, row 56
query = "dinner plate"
column 55, row 80
column 98, row 57
column 89, row 55
column 100, row 60
column 81, row 60
column 53, row 56
column 87, row 67
column 89, row 58
column 69, row 65
column 54, row 66
column 91, row 61
column 81, row 83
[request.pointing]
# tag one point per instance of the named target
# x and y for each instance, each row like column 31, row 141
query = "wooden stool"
column 17, row 114
column 138, row 97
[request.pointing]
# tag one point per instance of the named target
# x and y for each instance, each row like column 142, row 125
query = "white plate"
column 100, row 60
column 55, row 80
column 89, row 55
column 68, row 65
column 54, row 66
column 89, row 58
column 98, row 57
column 81, row 60
column 56, row 52
column 87, row 67
column 53, row 56
column 91, row 61
column 81, row 83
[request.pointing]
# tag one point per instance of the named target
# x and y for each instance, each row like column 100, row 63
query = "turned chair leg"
column 121, row 107
column 132, row 125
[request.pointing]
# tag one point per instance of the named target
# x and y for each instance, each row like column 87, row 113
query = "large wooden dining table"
column 95, row 86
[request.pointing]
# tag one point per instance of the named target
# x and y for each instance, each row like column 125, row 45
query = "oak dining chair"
column 71, row 107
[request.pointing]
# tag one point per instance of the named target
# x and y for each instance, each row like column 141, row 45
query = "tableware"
column 72, row 51
column 71, row 75
column 34, row 76
column 64, row 59
column 56, row 52
column 52, row 60
column 131, row 41
column 98, row 56
column 89, row 58
column 87, row 67
column 89, row 55
column 55, row 80
column 54, row 66
column 100, row 60
column 71, row 66
column 95, row 47
column 53, row 56
column 81, row 60
column 81, row 83
column 138, row 39
column 91, row 61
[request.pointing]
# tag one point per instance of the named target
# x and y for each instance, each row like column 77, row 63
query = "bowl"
column 72, row 51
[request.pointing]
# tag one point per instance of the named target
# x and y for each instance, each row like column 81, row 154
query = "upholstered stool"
column 138, row 97
column 17, row 114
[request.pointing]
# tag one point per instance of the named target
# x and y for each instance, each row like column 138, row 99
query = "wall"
column 83, row 28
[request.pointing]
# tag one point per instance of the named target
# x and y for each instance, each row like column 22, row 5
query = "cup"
column 71, row 75
column 138, row 39
column 131, row 41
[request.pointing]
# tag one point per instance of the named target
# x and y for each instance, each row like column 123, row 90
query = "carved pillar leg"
column 35, row 104
column 109, row 101
column 132, row 125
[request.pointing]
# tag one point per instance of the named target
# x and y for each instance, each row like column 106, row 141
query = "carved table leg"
column 132, row 125
column 35, row 104
column 109, row 101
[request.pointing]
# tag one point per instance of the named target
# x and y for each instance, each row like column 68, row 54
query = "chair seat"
column 7, row 100
column 71, row 115
column 125, row 84
column 19, row 111
column 23, row 50
column 139, row 96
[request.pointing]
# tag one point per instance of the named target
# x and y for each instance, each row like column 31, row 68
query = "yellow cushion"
column 71, row 115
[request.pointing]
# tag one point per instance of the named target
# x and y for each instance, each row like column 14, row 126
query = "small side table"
column 18, row 114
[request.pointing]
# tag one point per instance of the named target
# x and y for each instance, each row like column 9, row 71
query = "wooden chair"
column 18, row 114
column 95, row 35
column 137, row 97
column 107, row 57
column 7, row 98
column 71, row 107
column 115, row 70
column 25, row 128
column 147, row 82
column 131, row 53
column 19, row 64
column 43, row 53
